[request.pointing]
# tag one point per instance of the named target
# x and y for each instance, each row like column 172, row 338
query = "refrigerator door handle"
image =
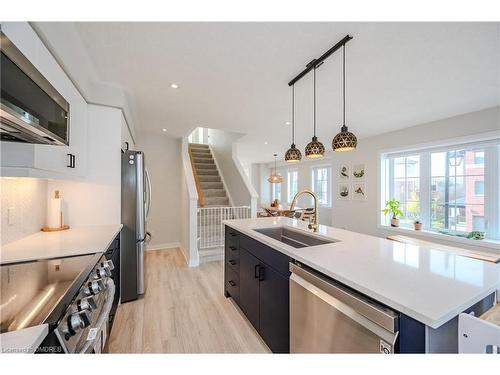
column 149, row 197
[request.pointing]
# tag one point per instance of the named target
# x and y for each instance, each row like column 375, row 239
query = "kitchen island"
column 428, row 287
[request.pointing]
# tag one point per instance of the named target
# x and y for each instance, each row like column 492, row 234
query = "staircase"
column 208, row 181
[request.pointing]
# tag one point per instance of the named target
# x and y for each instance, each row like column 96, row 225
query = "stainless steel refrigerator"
column 136, row 204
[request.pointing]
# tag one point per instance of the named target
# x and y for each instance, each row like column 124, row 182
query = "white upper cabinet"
column 47, row 161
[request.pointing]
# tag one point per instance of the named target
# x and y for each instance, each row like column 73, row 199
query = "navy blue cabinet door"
column 249, row 287
column 274, row 310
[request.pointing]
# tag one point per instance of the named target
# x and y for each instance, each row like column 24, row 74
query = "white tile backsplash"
column 28, row 199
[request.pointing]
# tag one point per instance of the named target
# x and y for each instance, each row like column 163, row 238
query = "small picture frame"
column 358, row 172
column 358, row 191
column 343, row 192
column 344, row 172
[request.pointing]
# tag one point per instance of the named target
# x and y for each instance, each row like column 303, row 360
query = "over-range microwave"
column 32, row 111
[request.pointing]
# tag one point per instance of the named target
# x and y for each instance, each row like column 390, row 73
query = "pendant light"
column 275, row 178
column 315, row 148
column 293, row 155
column 345, row 140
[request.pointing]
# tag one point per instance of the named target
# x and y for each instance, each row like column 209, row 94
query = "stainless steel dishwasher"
column 327, row 317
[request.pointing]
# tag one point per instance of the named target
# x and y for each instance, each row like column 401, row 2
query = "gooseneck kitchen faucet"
column 314, row 225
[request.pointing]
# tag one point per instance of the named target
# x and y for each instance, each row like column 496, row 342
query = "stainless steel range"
column 84, row 326
column 73, row 295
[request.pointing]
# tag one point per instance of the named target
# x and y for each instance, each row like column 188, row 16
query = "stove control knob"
column 109, row 264
column 103, row 272
column 87, row 303
column 94, row 287
column 78, row 321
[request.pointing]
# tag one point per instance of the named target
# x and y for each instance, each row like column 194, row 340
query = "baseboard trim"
column 163, row 246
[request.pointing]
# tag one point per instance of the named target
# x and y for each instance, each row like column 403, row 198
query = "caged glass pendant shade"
column 275, row 178
column 293, row 154
column 315, row 149
column 344, row 141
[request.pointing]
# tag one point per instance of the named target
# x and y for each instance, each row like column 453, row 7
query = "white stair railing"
column 210, row 226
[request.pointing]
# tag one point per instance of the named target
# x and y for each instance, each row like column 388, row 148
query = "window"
column 454, row 175
column 276, row 191
column 321, row 185
column 446, row 189
column 292, row 184
column 479, row 157
column 405, row 186
column 479, row 187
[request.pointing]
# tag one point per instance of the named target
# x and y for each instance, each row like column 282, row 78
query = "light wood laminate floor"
column 183, row 311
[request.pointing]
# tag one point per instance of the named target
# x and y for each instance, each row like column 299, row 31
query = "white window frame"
column 329, row 184
column 491, row 186
column 272, row 193
column 289, row 194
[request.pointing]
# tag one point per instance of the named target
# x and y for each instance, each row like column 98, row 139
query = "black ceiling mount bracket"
column 315, row 63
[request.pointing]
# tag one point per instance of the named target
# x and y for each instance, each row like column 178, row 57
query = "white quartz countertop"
column 429, row 285
column 24, row 340
column 49, row 245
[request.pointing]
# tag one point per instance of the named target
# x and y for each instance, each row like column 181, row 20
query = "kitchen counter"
column 427, row 284
column 24, row 340
column 49, row 245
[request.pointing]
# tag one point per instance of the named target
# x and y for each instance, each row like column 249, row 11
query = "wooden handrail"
column 201, row 195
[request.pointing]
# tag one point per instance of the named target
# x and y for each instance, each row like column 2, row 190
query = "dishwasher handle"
column 376, row 313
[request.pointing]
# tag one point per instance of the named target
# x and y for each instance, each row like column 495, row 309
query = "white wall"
column 126, row 135
column 96, row 198
column 163, row 160
column 28, row 199
column 362, row 216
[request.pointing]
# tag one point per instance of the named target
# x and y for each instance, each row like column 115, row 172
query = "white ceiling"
column 233, row 76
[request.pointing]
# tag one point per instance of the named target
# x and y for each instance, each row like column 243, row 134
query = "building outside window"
column 446, row 189
column 322, row 185
column 292, row 184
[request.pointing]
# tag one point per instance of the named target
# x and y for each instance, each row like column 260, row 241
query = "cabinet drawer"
column 232, row 238
column 266, row 254
column 232, row 283
column 233, row 262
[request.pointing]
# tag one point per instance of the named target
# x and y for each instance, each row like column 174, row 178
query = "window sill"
column 485, row 243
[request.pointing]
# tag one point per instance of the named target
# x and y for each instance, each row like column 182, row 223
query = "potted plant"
column 392, row 207
column 417, row 224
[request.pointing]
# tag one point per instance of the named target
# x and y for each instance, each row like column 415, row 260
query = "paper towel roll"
column 54, row 212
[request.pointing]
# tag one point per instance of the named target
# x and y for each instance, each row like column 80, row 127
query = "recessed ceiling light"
column 174, row 85
column 265, row 142
column 164, row 130
column 287, row 123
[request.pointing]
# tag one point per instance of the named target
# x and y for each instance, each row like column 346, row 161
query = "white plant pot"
column 394, row 222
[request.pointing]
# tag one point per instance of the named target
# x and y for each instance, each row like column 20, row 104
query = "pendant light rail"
column 317, row 62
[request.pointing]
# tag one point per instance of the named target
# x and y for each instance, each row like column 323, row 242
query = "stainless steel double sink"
column 294, row 238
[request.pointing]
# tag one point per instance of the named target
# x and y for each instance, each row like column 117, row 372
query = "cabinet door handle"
column 232, row 248
column 232, row 283
column 256, row 271
column 232, row 262
column 232, row 234
column 71, row 161
column 261, row 273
